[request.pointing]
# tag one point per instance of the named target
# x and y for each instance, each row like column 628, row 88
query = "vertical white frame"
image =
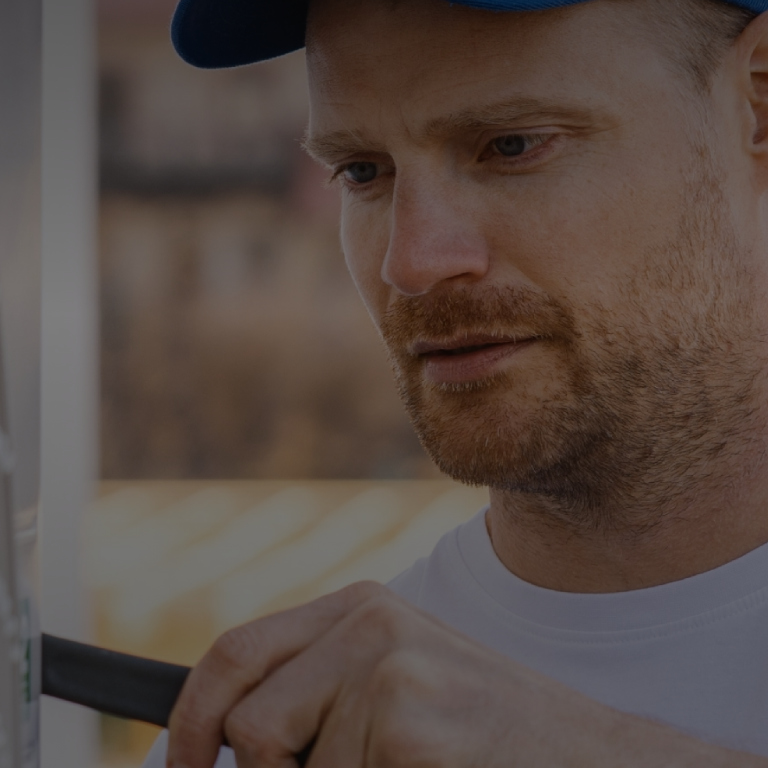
column 69, row 734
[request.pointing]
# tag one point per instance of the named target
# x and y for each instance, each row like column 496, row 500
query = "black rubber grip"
column 111, row 682
column 115, row 683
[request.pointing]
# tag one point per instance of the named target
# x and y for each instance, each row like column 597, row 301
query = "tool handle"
column 115, row 683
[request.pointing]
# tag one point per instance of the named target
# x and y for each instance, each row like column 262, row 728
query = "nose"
column 433, row 238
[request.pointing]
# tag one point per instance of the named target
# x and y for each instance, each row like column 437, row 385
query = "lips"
column 464, row 344
column 468, row 358
column 460, row 350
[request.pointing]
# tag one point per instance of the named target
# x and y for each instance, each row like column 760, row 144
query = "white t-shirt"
column 693, row 653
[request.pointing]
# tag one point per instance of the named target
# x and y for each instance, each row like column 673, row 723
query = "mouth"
column 465, row 345
column 468, row 358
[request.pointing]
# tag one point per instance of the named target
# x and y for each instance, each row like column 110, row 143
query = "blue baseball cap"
column 229, row 33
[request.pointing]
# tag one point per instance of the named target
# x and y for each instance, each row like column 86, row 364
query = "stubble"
column 634, row 408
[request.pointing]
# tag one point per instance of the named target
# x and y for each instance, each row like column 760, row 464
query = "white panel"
column 69, row 342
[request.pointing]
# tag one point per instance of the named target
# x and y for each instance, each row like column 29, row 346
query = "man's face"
column 535, row 215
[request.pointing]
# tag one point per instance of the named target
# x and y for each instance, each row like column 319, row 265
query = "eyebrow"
column 328, row 146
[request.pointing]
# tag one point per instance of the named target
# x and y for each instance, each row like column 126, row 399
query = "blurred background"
column 227, row 319
column 249, row 448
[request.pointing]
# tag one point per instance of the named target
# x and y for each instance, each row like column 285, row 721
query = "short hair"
column 699, row 33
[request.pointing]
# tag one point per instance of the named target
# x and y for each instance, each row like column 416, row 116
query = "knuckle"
column 234, row 650
column 257, row 739
column 191, row 716
column 397, row 675
column 384, row 617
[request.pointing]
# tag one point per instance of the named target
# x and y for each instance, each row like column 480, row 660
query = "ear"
column 752, row 56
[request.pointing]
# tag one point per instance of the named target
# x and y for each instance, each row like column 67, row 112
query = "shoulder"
column 408, row 584
column 435, row 578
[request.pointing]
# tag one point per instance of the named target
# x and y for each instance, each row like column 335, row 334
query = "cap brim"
column 229, row 33
column 213, row 34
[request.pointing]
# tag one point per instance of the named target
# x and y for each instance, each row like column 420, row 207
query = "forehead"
column 370, row 60
column 360, row 31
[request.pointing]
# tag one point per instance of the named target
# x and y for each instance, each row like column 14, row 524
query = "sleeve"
column 156, row 756
column 408, row 584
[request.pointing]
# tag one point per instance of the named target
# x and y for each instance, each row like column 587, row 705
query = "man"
column 557, row 220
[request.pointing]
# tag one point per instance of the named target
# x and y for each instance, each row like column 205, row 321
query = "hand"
column 374, row 682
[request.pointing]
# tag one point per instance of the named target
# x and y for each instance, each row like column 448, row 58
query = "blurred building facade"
column 233, row 343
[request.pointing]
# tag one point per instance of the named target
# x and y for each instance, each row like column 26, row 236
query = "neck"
column 714, row 524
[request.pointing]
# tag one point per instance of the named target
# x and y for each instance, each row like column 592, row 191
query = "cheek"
column 364, row 240
column 586, row 239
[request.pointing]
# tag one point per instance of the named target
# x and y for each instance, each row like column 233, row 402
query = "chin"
column 559, row 447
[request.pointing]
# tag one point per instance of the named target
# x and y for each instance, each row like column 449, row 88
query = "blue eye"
column 511, row 145
column 361, row 173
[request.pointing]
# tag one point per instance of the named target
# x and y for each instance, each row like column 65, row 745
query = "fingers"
column 326, row 692
column 240, row 660
column 281, row 717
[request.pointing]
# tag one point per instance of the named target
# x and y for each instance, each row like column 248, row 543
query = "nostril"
column 416, row 266
column 433, row 236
